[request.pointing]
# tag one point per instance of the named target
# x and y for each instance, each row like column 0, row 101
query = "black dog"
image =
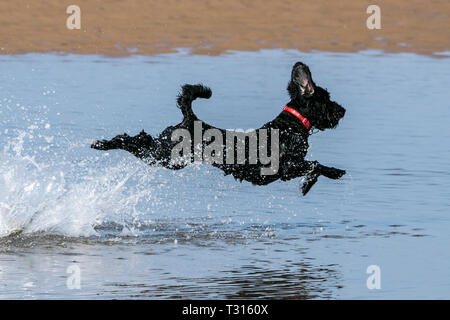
column 310, row 107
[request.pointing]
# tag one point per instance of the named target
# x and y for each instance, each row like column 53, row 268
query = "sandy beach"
column 118, row 28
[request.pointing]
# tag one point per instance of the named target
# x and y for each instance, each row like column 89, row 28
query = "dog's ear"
column 293, row 90
column 301, row 82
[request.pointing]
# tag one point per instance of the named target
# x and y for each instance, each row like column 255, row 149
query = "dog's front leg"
column 311, row 177
column 317, row 170
column 293, row 168
column 330, row 172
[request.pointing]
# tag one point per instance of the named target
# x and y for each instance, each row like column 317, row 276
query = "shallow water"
column 140, row 232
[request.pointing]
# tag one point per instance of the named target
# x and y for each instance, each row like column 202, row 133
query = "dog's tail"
column 188, row 94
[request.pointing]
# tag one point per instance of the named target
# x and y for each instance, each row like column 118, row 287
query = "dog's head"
column 313, row 101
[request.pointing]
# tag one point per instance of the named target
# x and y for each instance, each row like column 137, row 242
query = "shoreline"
column 188, row 52
column 212, row 27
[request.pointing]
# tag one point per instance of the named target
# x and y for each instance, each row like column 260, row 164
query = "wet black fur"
column 321, row 112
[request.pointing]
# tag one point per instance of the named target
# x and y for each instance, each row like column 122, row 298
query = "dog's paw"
column 100, row 145
column 340, row 173
column 336, row 173
column 332, row 173
column 118, row 142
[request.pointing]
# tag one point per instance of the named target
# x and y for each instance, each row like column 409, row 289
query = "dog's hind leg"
column 140, row 145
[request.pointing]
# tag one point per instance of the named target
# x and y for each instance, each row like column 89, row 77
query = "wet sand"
column 118, row 28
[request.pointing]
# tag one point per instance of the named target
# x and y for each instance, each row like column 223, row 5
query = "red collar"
column 294, row 112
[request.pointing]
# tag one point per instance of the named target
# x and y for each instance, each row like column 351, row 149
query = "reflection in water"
column 138, row 271
column 296, row 281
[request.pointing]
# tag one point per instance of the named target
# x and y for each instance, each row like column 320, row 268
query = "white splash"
column 40, row 197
